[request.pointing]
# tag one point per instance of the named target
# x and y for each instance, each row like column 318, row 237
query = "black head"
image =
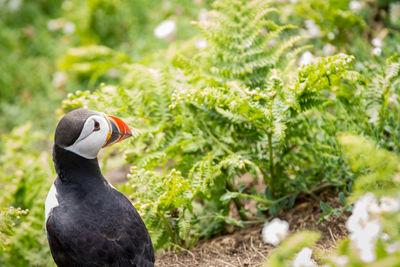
column 84, row 132
column 70, row 126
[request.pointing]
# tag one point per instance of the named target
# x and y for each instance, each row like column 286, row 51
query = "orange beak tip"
column 119, row 130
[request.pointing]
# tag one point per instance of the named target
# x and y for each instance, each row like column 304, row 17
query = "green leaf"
column 336, row 211
column 342, row 198
column 326, row 209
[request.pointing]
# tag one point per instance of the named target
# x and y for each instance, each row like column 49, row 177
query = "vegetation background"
column 294, row 94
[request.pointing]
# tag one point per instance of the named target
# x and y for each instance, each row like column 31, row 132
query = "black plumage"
column 70, row 126
column 93, row 224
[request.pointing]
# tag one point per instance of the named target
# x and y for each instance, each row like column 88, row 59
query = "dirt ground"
column 244, row 247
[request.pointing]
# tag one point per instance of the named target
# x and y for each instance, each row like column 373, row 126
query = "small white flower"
column 389, row 204
column 54, row 24
column 341, row 261
column 377, row 51
column 392, row 248
column 374, row 208
column 364, row 231
column 377, row 42
column 248, row 44
column 109, row 89
column 373, row 229
column 303, row 259
column 203, row 15
column 367, row 254
column 164, row 29
column 313, row 29
column 364, row 240
column 201, row 44
column 385, row 236
column 355, row 5
column 59, row 79
column 329, row 49
column 69, row 27
column 360, row 214
column 275, row 231
column 331, row 36
column 113, row 73
column 306, row 58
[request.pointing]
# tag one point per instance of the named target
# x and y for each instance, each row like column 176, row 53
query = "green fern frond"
column 285, row 46
column 239, row 48
column 376, row 96
column 392, row 71
column 230, row 116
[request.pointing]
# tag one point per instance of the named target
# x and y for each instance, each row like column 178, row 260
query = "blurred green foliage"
column 35, row 35
column 128, row 25
column 26, row 174
column 28, row 52
column 259, row 88
column 377, row 173
column 8, row 216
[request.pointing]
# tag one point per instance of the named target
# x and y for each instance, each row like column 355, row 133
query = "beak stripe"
column 109, row 131
column 119, row 130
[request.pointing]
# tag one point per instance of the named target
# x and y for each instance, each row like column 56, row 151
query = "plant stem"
column 265, row 175
column 238, row 204
column 260, row 199
column 169, row 229
column 329, row 80
column 223, row 146
column 271, row 164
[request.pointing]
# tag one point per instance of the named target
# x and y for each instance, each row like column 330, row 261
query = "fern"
column 379, row 90
column 156, row 202
column 239, row 35
column 8, row 218
column 207, row 120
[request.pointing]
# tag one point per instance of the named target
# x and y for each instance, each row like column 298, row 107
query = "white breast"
column 51, row 201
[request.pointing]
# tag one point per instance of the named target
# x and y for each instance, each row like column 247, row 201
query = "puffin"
column 89, row 222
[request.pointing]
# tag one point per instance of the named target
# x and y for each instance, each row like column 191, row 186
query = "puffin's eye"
column 96, row 126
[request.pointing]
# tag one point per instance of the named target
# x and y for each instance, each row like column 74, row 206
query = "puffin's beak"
column 118, row 130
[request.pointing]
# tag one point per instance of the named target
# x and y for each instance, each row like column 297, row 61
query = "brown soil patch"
column 244, row 247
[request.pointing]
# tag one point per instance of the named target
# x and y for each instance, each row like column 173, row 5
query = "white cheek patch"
column 51, row 201
column 90, row 142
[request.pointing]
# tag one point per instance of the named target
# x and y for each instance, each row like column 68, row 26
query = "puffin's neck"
column 72, row 168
